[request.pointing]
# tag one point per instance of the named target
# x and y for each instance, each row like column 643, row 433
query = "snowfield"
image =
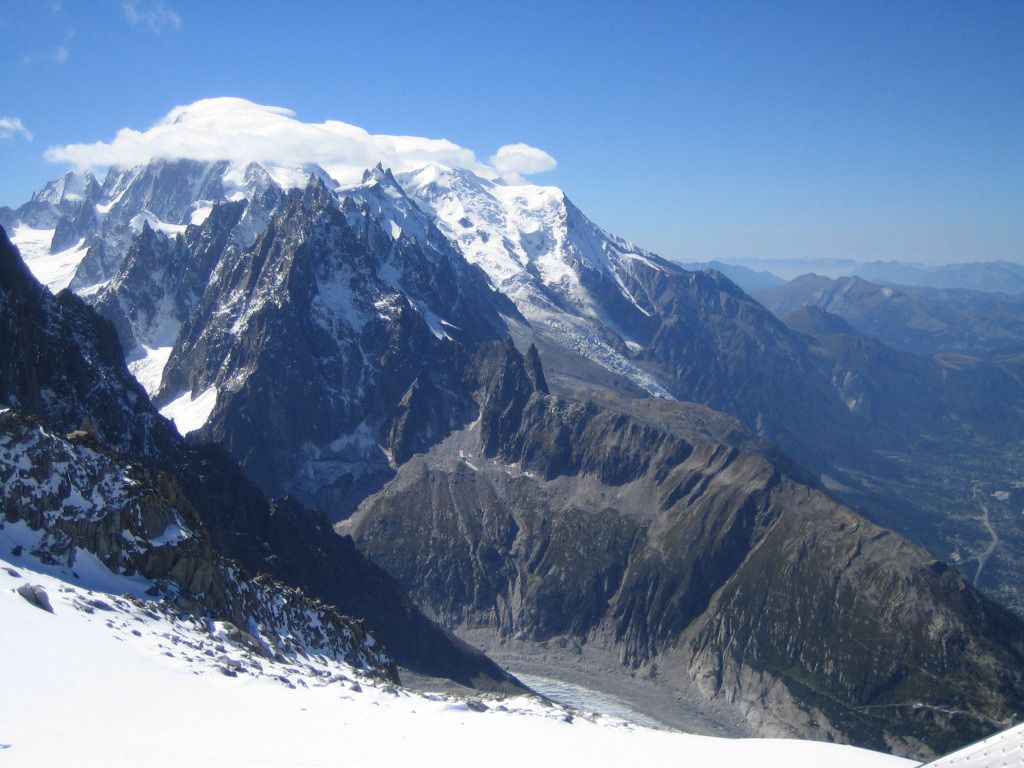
column 54, row 270
column 110, row 680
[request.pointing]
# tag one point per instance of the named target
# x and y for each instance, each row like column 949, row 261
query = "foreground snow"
column 123, row 682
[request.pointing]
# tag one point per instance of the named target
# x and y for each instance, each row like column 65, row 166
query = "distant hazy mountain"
column 914, row 319
column 788, row 268
column 989, row 276
column 749, row 280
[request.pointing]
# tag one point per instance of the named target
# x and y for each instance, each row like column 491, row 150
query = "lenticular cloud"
column 237, row 129
column 513, row 161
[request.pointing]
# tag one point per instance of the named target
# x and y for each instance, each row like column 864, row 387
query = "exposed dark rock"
column 60, row 361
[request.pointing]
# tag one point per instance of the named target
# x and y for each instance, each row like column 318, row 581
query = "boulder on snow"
column 36, row 595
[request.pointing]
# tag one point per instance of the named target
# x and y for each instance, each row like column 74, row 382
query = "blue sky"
column 716, row 130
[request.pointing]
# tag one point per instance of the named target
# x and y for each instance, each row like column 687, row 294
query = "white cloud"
column 153, row 14
column 235, row 129
column 513, row 160
column 12, row 126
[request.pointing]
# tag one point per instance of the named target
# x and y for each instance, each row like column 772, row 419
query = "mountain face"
column 79, row 230
column 60, row 363
column 701, row 566
column 201, row 289
column 339, row 320
column 689, row 335
column 693, row 336
column 922, row 321
column 225, row 281
column 59, row 344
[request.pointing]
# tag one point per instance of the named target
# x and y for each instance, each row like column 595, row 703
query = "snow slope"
column 191, row 413
column 113, row 680
column 1003, row 750
column 147, row 366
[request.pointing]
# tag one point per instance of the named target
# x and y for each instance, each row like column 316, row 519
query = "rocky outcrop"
column 80, row 500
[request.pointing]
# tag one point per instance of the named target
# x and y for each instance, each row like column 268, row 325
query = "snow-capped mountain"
column 591, row 298
column 122, row 558
column 612, row 320
column 76, row 231
column 176, row 253
column 689, row 335
column 320, row 329
column 572, row 280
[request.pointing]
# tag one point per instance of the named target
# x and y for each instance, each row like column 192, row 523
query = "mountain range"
column 754, row 274
column 535, row 428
